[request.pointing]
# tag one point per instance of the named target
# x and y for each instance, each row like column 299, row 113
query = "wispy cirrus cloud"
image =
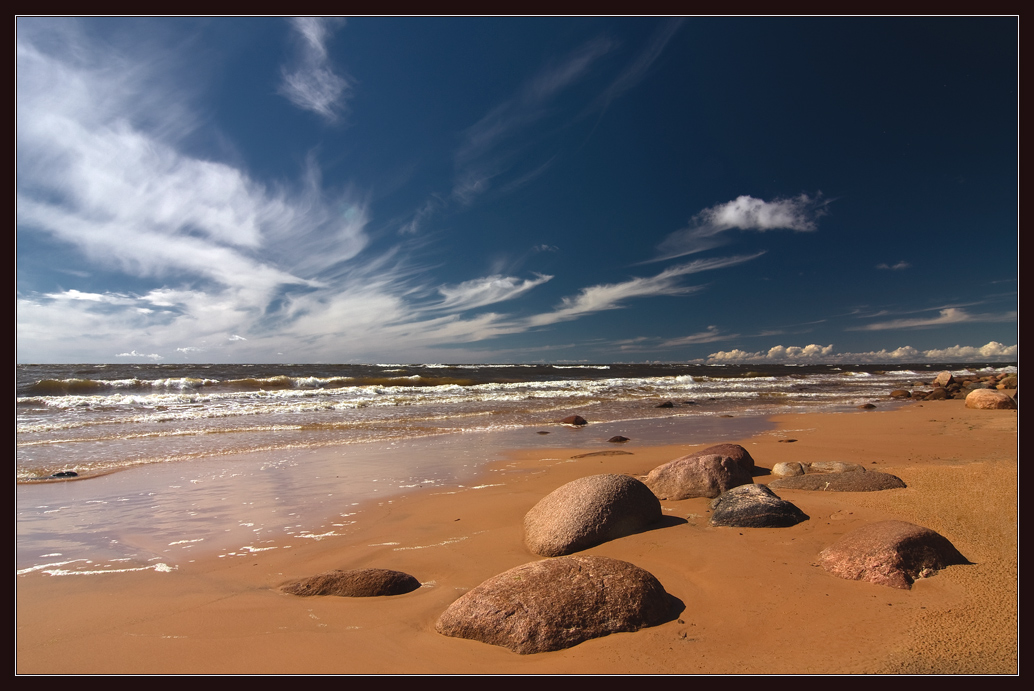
column 799, row 214
column 945, row 317
column 484, row 291
column 611, row 296
column 490, row 147
column 900, row 266
column 310, row 82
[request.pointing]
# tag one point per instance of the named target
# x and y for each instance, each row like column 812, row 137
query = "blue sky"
column 517, row 190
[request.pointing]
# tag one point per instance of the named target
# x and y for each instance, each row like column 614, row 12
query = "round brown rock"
column 355, row 583
column 576, row 420
column 558, row 603
column 891, row 553
column 588, row 512
column 989, row 399
column 697, row 476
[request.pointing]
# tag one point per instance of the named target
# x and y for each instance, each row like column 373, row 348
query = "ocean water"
column 172, row 461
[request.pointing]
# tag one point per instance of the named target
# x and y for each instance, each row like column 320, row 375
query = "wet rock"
column 891, row 553
column 576, row 420
column 990, row 399
column 938, row 394
column 862, row 481
column 355, row 583
column 666, row 404
column 866, row 406
column 697, row 476
column 754, row 506
column 558, row 603
column 588, row 512
column 900, row 393
column 65, row 473
column 618, row 439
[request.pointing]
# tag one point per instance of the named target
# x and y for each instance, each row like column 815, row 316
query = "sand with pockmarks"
column 755, row 600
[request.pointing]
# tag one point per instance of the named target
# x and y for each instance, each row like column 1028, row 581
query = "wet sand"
column 755, row 602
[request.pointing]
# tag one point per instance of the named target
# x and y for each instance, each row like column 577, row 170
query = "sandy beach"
column 755, row 600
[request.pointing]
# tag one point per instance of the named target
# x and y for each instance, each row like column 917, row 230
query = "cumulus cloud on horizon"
column 825, row 354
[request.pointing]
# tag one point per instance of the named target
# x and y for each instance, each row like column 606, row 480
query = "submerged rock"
column 891, row 553
column 558, row 603
column 588, row 512
column 355, row 583
column 754, row 506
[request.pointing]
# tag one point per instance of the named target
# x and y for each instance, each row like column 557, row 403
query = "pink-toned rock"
column 697, row 476
column 990, row 399
column 558, row 603
column 891, row 553
column 944, row 379
column 734, row 452
column 588, row 512
column 355, row 583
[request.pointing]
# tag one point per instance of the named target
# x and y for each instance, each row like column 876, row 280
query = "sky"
column 464, row 190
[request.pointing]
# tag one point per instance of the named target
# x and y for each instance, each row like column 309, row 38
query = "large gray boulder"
column 857, row 481
column 990, row 399
column 754, row 506
column 558, row 603
column 355, row 583
column 697, row 476
column 891, row 553
column 587, row 512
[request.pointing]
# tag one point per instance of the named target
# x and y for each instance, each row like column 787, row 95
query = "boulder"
column 944, row 379
column 938, row 394
column 355, row 583
column 666, row 404
column 588, row 512
column 990, row 399
column 858, row 481
column 576, row 420
column 834, row 467
column 617, row 439
column 697, row 476
column 733, row 452
column 892, row 553
column 558, row 603
column 900, row 393
column 754, row 506
column 788, row 469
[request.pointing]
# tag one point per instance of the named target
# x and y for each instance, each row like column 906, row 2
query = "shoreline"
column 754, row 601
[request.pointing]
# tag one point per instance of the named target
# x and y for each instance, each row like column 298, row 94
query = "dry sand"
column 755, row 602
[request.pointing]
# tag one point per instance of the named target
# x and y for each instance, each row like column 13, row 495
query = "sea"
column 148, row 467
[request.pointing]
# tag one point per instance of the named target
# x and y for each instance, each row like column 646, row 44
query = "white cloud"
column 310, row 82
column 825, row 354
column 486, row 291
column 152, row 356
column 895, row 267
column 611, row 296
column 948, row 315
column 798, row 213
column 711, row 335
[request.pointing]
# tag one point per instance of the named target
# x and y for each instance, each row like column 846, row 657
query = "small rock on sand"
column 355, row 583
